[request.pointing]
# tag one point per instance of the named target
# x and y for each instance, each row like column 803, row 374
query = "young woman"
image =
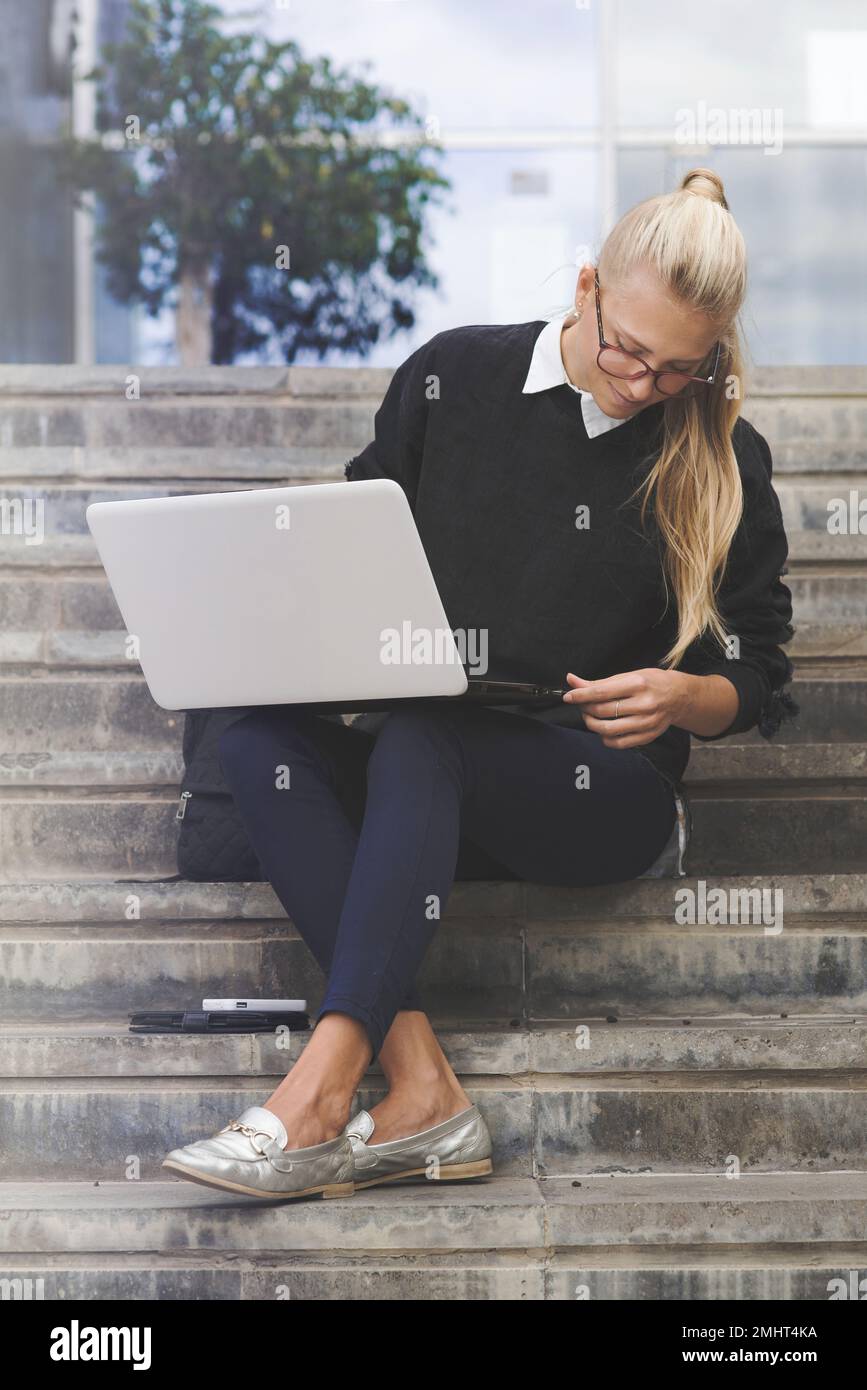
column 591, row 501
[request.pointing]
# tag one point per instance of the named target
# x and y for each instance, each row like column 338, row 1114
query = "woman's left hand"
column 633, row 708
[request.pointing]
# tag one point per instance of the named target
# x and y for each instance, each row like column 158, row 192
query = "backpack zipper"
column 683, row 832
column 182, row 807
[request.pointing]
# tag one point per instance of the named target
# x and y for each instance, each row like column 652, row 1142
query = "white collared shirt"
column 547, row 370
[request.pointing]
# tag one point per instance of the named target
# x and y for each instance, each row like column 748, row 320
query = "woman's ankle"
column 333, row 1106
column 306, row 1125
column 417, row 1097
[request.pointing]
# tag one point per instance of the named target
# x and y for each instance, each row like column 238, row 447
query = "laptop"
column 316, row 594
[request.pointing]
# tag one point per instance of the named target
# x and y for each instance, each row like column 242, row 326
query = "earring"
column 577, row 311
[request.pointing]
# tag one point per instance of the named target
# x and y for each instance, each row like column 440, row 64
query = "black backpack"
column 213, row 845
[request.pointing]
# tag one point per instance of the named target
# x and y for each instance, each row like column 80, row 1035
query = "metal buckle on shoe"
column 250, row 1133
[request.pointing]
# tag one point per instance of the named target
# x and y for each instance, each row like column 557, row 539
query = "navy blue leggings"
column 362, row 835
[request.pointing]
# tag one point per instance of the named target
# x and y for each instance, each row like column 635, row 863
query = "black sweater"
column 494, row 478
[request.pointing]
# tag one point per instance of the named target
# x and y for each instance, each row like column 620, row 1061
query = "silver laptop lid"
column 278, row 595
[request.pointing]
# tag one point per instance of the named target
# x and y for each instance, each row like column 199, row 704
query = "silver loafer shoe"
column 459, row 1147
column 247, row 1156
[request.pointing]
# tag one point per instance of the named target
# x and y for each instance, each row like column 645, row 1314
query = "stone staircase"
column 679, row 1110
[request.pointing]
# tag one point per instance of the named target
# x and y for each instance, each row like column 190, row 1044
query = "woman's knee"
column 255, row 737
column 412, row 737
column 415, row 726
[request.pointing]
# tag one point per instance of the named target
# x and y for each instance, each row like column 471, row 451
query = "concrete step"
column 504, row 953
column 602, row 1237
column 714, row 765
column 109, row 719
column 31, row 383
column 58, row 533
column 832, row 702
column 812, row 434
column 62, row 537
column 62, row 545
column 814, row 419
column 101, row 1047
column 30, row 380
column 817, row 545
column 68, row 474
column 165, row 422
column 70, row 1130
column 804, row 479
column 823, row 504
column 810, row 503
column 801, row 1274
column 57, row 616
column 70, row 833
column 97, row 715
column 822, row 593
column 812, row 898
column 829, row 643
column 711, row 765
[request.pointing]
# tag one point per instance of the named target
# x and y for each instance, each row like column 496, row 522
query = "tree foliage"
column 243, row 146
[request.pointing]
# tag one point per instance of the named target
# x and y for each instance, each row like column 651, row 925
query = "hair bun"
column 706, row 183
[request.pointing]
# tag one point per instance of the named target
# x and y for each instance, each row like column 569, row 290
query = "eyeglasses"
column 615, row 361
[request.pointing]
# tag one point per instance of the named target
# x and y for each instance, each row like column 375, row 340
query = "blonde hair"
column 690, row 239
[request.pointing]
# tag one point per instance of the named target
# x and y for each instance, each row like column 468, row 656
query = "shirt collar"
column 547, row 370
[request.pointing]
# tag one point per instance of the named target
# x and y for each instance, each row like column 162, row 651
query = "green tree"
column 275, row 198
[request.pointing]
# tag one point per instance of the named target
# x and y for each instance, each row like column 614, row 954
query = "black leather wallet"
column 214, row 1021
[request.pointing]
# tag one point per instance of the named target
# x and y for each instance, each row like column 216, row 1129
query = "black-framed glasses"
column 617, row 362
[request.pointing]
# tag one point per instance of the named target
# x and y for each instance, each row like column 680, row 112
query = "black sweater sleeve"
column 754, row 603
column 399, row 425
